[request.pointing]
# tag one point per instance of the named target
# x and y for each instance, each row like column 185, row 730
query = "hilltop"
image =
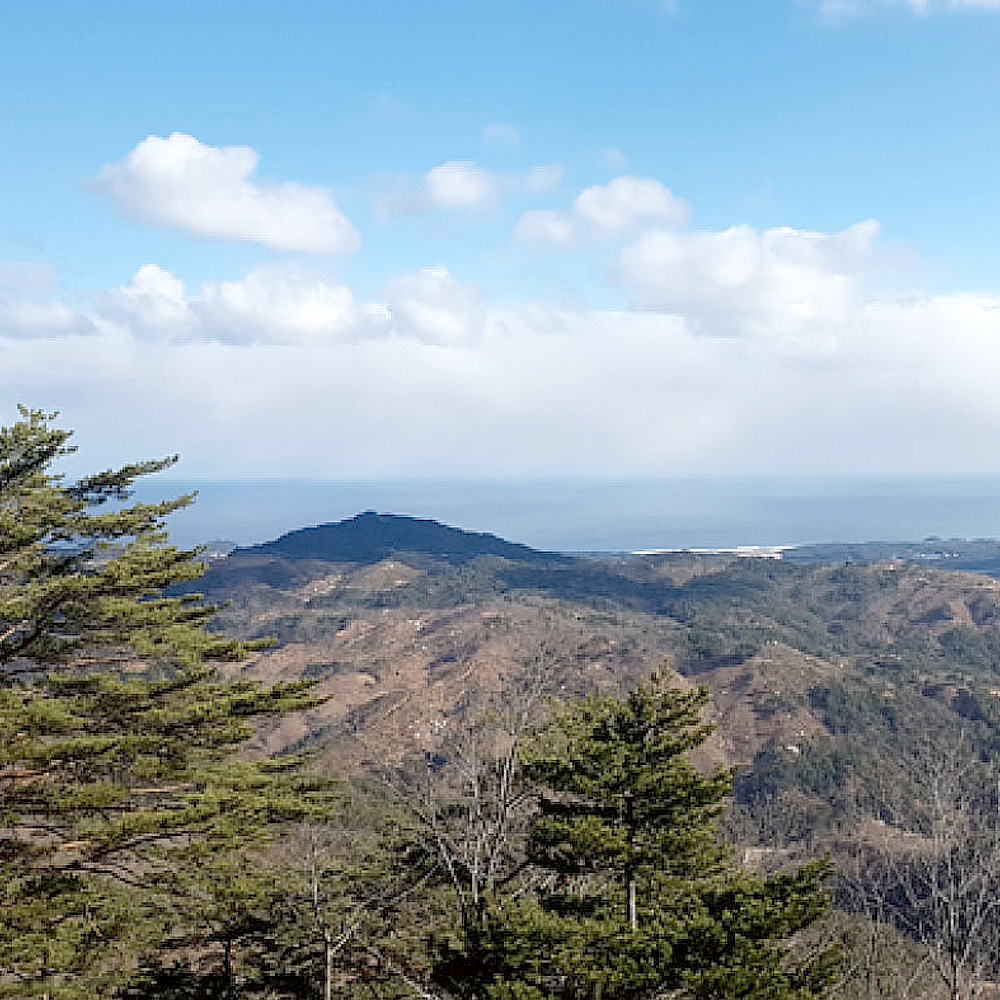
column 369, row 537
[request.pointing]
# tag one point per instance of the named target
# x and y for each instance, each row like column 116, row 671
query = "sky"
column 567, row 238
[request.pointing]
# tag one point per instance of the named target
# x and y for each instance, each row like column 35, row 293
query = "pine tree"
column 631, row 893
column 117, row 781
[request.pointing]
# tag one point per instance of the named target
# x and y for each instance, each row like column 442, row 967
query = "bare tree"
column 931, row 870
column 465, row 805
column 472, row 807
column 881, row 962
column 342, row 895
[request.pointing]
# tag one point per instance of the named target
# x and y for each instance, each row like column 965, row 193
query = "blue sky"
column 505, row 240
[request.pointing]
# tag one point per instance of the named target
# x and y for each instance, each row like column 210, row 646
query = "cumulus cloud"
column 153, row 302
column 265, row 307
column 603, row 211
column 432, row 306
column 459, row 184
column 625, row 201
column 271, row 306
column 209, row 192
column 775, row 282
column 274, row 308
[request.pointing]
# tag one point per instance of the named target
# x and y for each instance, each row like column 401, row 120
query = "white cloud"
column 625, row 201
column 153, row 302
column 603, row 211
column 499, row 134
column 271, row 306
column 459, row 184
column 26, row 310
column 32, row 320
column 773, row 283
column 894, row 386
column 747, row 352
column 463, row 185
column 274, row 308
column 432, row 306
column 265, row 307
column 208, row 192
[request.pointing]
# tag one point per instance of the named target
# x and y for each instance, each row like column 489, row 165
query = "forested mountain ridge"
column 405, row 642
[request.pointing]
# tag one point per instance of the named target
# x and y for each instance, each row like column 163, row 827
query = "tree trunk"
column 328, row 957
column 633, row 915
column 228, row 966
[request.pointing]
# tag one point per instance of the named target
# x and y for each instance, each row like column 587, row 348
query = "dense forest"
column 387, row 758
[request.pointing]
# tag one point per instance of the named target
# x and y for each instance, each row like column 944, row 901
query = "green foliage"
column 117, row 792
column 976, row 650
column 371, row 537
column 78, row 579
column 624, row 816
column 819, row 770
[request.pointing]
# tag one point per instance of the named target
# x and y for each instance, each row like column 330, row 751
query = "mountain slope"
column 817, row 671
column 370, row 537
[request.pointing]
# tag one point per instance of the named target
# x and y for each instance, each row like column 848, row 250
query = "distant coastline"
column 743, row 551
column 619, row 516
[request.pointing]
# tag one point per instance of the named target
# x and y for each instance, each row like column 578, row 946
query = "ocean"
column 591, row 516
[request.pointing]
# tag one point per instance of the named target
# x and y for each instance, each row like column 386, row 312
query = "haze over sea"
column 586, row 515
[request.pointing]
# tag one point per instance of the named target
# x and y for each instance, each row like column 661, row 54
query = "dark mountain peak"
column 370, row 537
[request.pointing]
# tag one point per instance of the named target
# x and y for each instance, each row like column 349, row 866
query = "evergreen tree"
column 116, row 732
column 631, row 893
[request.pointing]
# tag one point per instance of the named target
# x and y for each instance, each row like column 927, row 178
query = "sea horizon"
column 590, row 515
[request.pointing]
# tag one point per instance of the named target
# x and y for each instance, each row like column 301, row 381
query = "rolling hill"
column 817, row 671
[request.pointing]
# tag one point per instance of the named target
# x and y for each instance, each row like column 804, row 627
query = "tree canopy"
column 117, row 780
column 629, row 892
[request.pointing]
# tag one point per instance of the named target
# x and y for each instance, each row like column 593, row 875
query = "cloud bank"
column 738, row 350
column 743, row 352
